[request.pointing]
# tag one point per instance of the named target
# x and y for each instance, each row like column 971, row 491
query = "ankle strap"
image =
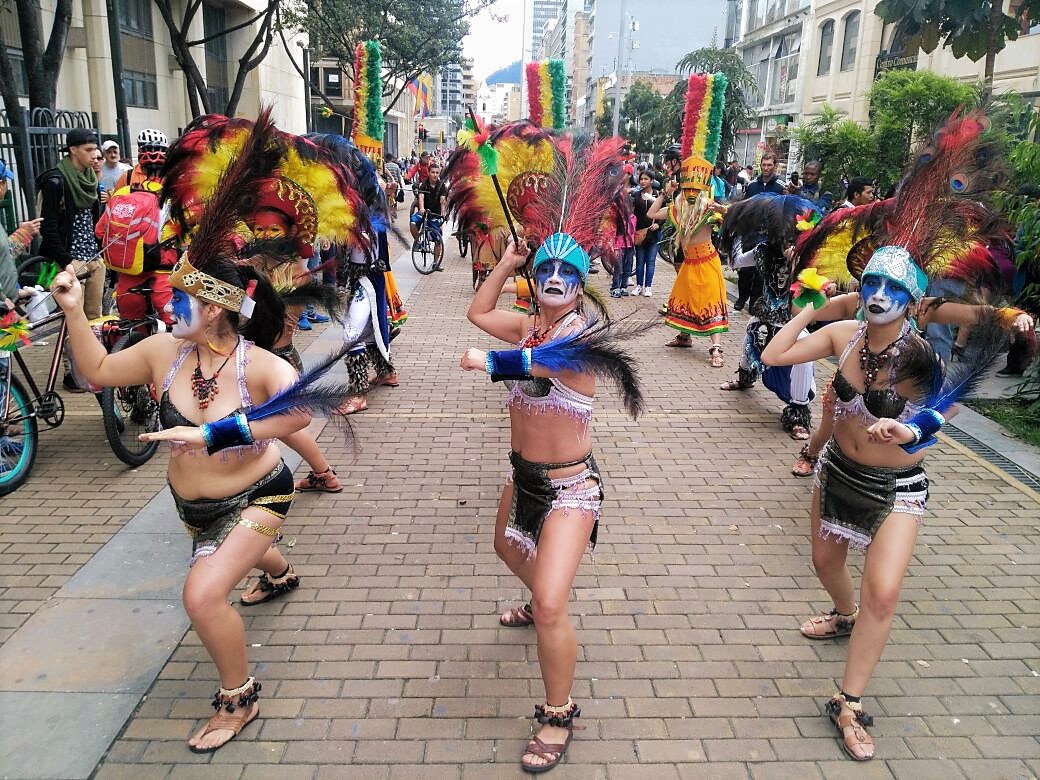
column 563, row 716
column 242, row 696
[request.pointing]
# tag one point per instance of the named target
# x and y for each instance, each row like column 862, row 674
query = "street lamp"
column 306, row 84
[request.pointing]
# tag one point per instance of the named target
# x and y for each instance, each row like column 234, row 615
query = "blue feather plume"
column 962, row 378
column 303, row 395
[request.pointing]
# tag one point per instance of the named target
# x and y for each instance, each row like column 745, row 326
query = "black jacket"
column 56, row 228
column 758, row 186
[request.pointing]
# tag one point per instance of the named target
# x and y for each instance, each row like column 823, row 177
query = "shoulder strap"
column 851, row 344
column 176, row 365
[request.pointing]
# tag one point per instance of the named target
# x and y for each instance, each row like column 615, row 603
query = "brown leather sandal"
column 236, row 709
column 267, row 588
column 805, row 466
column 322, row 482
column 851, row 722
column 715, row 356
column 518, row 617
column 547, row 715
column 829, row 625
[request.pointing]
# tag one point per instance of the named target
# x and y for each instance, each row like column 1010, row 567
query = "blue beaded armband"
column 925, row 424
column 230, row 431
column 509, row 364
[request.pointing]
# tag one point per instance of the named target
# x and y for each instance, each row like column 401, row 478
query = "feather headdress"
column 702, row 129
column 938, row 215
column 776, row 219
column 547, row 93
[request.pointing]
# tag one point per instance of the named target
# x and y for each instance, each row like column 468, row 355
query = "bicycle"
column 465, row 241
column 424, row 254
column 23, row 411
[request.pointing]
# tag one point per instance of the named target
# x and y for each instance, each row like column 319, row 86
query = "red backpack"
column 129, row 223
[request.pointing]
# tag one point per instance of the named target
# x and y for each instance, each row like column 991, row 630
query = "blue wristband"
column 509, row 364
column 230, row 431
column 925, row 424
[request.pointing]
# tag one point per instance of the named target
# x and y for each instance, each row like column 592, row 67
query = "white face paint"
column 884, row 301
column 557, row 283
column 184, row 310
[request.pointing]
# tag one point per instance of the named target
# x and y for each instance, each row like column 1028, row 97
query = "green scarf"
column 84, row 184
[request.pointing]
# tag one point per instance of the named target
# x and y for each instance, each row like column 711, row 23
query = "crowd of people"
column 819, row 278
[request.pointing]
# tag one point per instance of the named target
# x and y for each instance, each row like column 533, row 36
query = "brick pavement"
column 389, row 660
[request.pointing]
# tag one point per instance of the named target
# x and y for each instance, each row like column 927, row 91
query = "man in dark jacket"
column 69, row 207
column 767, row 180
column 811, row 188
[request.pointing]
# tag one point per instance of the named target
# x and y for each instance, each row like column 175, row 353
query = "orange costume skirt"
column 697, row 305
column 396, row 314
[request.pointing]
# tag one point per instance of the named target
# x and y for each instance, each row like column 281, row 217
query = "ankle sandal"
column 547, row 715
column 267, row 588
column 715, row 356
column 518, row 617
column 829, row 625
column 325, row 482
column 226, row 702
column 809, row 461
column 851, row 722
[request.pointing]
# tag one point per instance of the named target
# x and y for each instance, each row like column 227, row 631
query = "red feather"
column 696, row 86
column 534, row 94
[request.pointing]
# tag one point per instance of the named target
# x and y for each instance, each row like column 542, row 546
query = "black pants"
column 749, row 284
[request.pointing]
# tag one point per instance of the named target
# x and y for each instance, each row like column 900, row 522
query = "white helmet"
column 156, row 139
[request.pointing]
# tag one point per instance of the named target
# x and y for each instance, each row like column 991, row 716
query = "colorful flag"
column 421, row 88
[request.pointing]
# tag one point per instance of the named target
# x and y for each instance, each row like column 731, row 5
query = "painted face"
column 268, row 224
column 184, row 310
column 557, row 283
column 884, row 301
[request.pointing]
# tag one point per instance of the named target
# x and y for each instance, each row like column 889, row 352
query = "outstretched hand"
column 67, row 290
column 473, row 360
column 183, row 438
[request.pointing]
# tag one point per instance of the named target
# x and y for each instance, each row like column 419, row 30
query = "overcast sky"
column 493, row 44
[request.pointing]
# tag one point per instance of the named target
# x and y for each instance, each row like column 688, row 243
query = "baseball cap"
column 109, row 144
column 79, row 136
column 5, row 172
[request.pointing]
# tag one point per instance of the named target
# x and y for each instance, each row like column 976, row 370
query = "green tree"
column 640, row 119
column 845, row 148
column 905, row 108
column 417, row 36
column 737, row 114
column 971, row 28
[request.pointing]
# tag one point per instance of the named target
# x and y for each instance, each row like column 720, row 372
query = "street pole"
column 307, row 85
column 619, row 69
column 122, row 123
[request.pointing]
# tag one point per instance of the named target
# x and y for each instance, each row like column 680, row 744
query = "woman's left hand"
column 889, row 431
column 473, row 360
column 1023, row 323
column 184, row 437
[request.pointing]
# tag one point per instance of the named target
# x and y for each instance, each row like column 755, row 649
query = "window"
column 140, row 89
column 785, row 69
column 135, row 17
column 849, row 41
column 333, row 86
column 214, row 21
column 823, row 67
column 315, row 78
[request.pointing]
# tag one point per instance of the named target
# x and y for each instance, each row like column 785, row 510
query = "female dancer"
column 549, row 511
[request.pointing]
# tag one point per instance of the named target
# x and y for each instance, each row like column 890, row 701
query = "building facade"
column 153, row 83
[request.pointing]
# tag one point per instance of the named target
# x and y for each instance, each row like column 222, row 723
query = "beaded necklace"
column 205, row 390
column 534, row 338
column 871, row 363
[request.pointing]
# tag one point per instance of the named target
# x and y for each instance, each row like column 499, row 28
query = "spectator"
column 95, row 164
column 810, row 187
column 747, row 175
column 720, row 189
column 733, row 171
column 69, row 207
column 767, row 181
column 11, row 247
column 151, row 155
column 624, row 244
column 647, row 234
column 860, row 192
column 113, row 168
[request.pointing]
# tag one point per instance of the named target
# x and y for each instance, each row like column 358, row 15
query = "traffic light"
column 422, row 132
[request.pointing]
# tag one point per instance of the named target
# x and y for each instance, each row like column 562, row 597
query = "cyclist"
column 433, row 205
column 417, row 175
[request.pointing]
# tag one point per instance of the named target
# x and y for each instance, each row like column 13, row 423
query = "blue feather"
column 303, row 395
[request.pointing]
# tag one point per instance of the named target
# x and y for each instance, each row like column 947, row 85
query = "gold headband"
column 191, row 280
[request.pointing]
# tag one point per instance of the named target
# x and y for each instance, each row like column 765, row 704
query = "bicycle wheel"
column 19, row 436
column 129, row 412
column 422, row 255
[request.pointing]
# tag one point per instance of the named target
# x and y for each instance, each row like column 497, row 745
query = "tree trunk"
column 996, row 18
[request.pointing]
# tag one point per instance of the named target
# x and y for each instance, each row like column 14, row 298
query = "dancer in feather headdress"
column 891, row 399
column 224, row 402
column 549, row 512
column 763, row 230
column 697, row 304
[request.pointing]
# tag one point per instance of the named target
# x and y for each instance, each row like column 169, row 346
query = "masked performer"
column 765, row 228
column 223, row 404
column 309, row 198
column 549, row 512
column 891, row 394
column 697, row 304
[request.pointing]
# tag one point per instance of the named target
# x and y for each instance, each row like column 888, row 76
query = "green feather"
column 558, row 82
column 718, row 104
column 488, row 160
column 374, row 104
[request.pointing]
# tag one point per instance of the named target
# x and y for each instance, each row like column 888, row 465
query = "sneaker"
column 739, row 305
column 303, row 323
column 624, row 291
column 69, row 383
column 637, row 290
column 648, row 292
column 315, row 316
column 615, row 293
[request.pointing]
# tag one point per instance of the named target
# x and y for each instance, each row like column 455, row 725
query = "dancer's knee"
column 550, row 610
column 201, row 602
column 880, row 599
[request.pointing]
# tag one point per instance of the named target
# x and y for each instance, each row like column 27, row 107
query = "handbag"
column 641, row 236
column 399, row 197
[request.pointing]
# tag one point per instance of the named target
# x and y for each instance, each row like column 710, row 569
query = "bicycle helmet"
column 672, row 152
column 151, row 147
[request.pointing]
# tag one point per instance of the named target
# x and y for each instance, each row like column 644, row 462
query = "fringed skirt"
column 855, row 499
column 535, row 495
column 697, row 305
column 209, row 520
column 396, row 314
